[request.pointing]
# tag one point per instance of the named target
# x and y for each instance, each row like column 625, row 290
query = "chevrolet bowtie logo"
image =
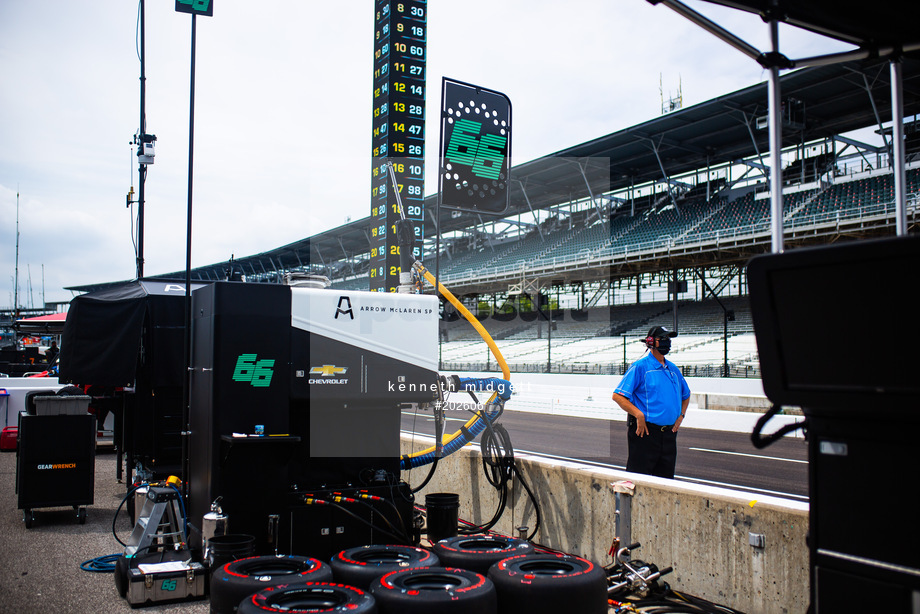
column 328, row 370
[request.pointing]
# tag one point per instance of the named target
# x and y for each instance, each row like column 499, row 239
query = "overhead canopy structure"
column 52, row 324
column 875, row 27
column 835, row 99
column 882, row 29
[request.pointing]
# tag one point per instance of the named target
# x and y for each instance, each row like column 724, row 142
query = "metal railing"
column 616, row 368
column 877, row 214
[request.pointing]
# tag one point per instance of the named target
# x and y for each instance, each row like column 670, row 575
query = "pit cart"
column 56, row 455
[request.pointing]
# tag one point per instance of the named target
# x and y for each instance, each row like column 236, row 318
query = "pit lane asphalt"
column 40, row 567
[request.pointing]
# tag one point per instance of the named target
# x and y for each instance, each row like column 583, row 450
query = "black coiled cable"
column 499, row 466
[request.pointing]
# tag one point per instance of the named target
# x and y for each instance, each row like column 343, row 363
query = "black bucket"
column 223, row 549
column 443, row 513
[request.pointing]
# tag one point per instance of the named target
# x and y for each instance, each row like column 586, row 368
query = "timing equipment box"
column 153, row 583
column 296, row 390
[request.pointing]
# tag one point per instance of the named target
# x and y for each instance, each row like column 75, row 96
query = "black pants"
column 654, row 453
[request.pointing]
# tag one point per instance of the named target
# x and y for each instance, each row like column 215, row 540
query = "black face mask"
column 664, row 346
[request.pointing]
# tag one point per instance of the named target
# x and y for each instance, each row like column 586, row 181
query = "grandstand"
column 861, row 200
column 605, row 340
column 600, row 234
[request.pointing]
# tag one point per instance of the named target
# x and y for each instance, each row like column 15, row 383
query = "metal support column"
column 878, row 117
column 529, row 206
column 590, row 191
column 897, row 151
column 708, row 173
column 674, row 298
column 776, row 146
column 187, row 350
column 664, row 173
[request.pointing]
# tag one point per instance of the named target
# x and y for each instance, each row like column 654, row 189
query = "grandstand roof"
column 720, row 130
column 837, row 98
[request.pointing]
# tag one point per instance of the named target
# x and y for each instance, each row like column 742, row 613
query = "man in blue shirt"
column 655, row 395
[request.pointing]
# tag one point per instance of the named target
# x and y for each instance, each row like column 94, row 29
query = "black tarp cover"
column 104, row 329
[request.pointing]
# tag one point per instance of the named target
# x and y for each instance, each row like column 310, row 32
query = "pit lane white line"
column 774, row 493
column 765, row 491
column 788, row 460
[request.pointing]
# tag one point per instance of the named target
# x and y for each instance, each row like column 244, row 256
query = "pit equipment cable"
column 494, row 406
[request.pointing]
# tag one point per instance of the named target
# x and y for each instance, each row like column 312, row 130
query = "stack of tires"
column 235, row 584
column 544, row 583
column 526, row 581
column 362, row 565
column 477, row 574
column 296, row 584
column 309, row 597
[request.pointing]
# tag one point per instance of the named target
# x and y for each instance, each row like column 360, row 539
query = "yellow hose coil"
column 482, row 333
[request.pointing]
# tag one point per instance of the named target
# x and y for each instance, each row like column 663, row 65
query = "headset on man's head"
column 656, row 333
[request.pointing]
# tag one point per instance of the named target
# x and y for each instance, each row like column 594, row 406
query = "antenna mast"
column 141, row 167
column 674, row 102
column 16, row 282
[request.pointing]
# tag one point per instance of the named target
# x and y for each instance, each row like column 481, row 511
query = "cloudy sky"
column 283, row 113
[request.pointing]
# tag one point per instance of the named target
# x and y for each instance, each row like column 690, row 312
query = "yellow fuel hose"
column 422, row 271
column 466, row 314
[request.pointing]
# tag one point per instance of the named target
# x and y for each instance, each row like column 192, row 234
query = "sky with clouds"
column 283, row 106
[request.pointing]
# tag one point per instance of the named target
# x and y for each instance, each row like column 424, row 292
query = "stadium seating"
column 596, row 342
column 728, row 213
column 610, row 339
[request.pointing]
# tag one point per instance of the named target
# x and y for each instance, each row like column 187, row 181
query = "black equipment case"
column 56, row 460
column 834, row 330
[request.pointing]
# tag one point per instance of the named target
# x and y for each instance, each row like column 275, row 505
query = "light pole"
column 195, row 8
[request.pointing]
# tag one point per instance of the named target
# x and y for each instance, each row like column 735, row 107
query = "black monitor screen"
column 835, row 325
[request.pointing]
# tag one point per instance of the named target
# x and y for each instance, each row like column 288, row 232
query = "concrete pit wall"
column 704, row 533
